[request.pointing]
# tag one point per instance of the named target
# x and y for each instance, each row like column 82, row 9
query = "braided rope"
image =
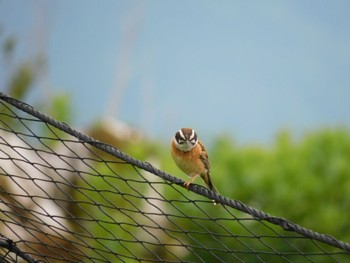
column 11, row 247
column 285, row 224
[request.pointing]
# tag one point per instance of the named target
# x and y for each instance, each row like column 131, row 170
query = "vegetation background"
column 305, row 179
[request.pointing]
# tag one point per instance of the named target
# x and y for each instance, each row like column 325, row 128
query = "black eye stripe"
column 193, row 141
column 179, row 138
column 184, row 135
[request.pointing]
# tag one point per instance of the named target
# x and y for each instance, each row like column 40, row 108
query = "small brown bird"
column 191, row 157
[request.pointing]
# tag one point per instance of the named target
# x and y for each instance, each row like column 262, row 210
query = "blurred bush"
column 306, row 181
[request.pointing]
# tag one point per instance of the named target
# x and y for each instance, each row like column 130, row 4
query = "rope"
column 11, row 247
column 259, row 215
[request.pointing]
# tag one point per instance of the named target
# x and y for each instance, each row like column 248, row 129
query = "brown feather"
column 194, row 162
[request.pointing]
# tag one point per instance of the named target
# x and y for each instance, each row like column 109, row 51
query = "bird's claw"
column 187, row 184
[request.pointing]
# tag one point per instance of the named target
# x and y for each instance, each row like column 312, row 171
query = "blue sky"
column 247, row 68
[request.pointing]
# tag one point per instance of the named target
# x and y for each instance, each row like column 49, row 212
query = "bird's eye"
column 193, row 141
column 180, row 141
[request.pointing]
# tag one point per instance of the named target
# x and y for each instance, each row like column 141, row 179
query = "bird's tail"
column 210, row 185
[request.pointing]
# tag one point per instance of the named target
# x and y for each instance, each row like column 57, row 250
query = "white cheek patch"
column 194, row 143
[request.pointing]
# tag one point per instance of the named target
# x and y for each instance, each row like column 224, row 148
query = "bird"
column 191, row 157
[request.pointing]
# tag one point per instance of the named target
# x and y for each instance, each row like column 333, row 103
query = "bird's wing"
column 204, row 156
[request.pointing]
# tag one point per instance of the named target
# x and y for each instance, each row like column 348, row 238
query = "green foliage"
column 21, row 81
column 8, row 47
column 305, row 181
